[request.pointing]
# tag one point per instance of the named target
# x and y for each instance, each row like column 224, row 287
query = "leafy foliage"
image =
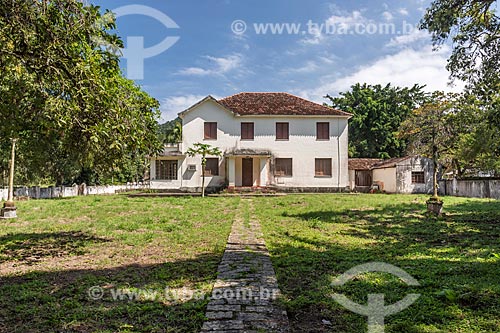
column 171, row 131
column 62, row 92
column 477, row 143
column 455, row 127
column 377, row 112
column 429, row 131
column 203, row 150
column 474, row 28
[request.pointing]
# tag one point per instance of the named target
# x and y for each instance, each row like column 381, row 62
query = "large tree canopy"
column 377, row 114
column 474, row 27
column 62, row 92
column 452, row 129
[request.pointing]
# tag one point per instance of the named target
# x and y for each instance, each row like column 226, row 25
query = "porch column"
column 263, row 171
column 231, row 171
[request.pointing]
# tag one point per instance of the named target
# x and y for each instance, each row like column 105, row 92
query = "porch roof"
column 171, row 153
column 248, row 152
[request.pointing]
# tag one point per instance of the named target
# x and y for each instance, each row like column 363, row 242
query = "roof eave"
column 206, row 99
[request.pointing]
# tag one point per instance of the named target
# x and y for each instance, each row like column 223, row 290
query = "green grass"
column 455, row 258
column 57, row 249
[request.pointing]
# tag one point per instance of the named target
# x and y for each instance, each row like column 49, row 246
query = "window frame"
column 210, row 130
column 287, row 126
column 170, row 173
column 210, row 174
column 284, row 173
column 317, row 170
column 318, row 131
column 247, row 137
column 415, row 177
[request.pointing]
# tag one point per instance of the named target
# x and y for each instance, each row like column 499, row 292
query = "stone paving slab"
column 244, row 297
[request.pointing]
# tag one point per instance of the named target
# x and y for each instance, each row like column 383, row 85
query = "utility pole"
column 9, row 208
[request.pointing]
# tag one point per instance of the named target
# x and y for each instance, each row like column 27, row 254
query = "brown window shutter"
column 247, row 131
column 210, row 131
column 322, row 131
column 282, row 131
column 323, row 167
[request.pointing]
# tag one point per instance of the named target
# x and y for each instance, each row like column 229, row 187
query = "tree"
column 377, row 114
column 477, row 143
column 203, row 150
column 474, row 28
column 429, row 132
column 62, row 92
column 171, row 131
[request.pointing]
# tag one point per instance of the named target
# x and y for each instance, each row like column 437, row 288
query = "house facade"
column 273, row 140
column 410, row 174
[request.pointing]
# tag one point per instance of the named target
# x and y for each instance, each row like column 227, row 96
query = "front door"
column 247, row 172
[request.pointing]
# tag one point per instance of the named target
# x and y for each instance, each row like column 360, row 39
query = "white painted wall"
column 302, row 146
column 164, row 183
column 386, row 179
column 352, row 179
column 398, row 179
column 414, row 164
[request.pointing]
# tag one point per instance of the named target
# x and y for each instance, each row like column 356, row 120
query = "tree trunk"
column 10, row 197
column 203, row 181
column 435, row 172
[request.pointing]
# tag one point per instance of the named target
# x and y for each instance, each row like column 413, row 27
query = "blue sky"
column 366, row 41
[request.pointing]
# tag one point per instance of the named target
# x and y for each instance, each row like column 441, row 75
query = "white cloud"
column 403, row 11
column 308, row 67
column 339, row 21
column 315, row 37
column 404, row 69
column 347, row 20
column 405, row 40
column 171, row 106
column 387, row 16
column 219, row 66
column 195, row 71
column 330, row 59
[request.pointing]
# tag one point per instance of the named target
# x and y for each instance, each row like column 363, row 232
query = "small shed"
column 360, row 173
column 409, row 174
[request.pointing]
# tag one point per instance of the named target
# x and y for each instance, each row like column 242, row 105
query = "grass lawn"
column 57, row 249
column 456, row 259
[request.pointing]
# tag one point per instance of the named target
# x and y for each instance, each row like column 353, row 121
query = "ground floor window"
column 417, row 177
column 212, row 166
column 166, row 169
column 283, row 167
column 323, row 167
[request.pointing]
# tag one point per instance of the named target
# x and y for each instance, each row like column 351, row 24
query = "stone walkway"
column 245, row 293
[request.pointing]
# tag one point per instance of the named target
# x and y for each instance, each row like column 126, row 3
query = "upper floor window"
column 417, row 177
column 247, row 131
column 282, row 132
column 323, row 167
column 322, row 131
column 283, row 167
column 210, row 131
column 212, row 166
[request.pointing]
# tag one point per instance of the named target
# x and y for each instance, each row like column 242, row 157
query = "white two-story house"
column 274, row 140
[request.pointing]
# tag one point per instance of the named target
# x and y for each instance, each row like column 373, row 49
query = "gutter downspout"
column 338, row 155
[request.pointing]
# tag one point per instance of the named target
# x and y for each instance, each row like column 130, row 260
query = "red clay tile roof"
column 276, row 104
column 363, row 163
column 390, row 163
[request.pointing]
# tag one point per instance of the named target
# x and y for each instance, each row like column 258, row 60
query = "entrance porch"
column 248, row 168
